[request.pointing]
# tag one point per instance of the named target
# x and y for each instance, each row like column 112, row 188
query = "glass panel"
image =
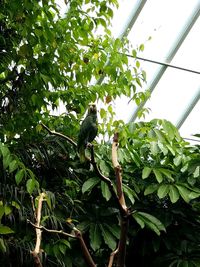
column 192, row 125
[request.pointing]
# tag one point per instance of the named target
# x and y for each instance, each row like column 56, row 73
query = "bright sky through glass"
column 164, row 21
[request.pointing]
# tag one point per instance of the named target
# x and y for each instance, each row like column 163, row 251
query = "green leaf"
column 95, row 236
column 141, row 48
column 65, row 242
column 138, row 219
column 158, row 175
column 31, row 185
column 7, row 160
column 146, row 172
column 2, row 246
column 103, row 113
column 184, row 192
column 108, row 238
column 150, row 189
column 167, row 173
column 62, row 248
column 15, row 204
column 5, row 151
column 2, row 211
column 129, row 193
column 163, row 148
column 196, row 172
column 114, row 229
column 19, row 176
column 161, row 136
column 154, row 148
column 4, row 230
column 153, row 219
column 89, row 184
column 169, row 129
column 7, row 209
column 173, row 193
column 13, row 166
column 163, row 190
column 177, row 160
column 105, row 191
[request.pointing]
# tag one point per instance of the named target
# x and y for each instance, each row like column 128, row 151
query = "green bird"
column 88, row 131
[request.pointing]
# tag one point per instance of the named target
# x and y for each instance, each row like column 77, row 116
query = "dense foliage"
column 48, row 60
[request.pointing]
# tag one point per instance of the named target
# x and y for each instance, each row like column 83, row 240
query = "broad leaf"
column 158, row 175
column 163, row 190
column 105, row 191
column 5, row 230
column 173, row 194
column 151, row 189
column 95, row 236
column 108, row 238
column 89, row 184
column 146, row 172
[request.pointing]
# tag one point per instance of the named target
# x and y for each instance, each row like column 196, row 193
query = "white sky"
column 163, row 21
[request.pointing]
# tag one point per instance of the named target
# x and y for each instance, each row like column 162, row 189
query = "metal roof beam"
column 188, row 109
column 170, row 56
column 133, row 17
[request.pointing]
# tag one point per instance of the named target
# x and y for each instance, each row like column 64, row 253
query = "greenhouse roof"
column 169, row 31
column 173, row 28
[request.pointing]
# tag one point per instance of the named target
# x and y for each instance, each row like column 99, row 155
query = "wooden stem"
column 84, row 248
column 124, row 220
column 59, row 134
column 112, row 256
column 36, row 251
column 78, row 235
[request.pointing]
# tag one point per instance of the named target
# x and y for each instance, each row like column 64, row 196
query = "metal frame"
column 188, row 109
column 170, row 56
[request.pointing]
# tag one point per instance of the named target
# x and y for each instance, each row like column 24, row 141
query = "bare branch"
column 106, row 180
column 124, row 220
column 37, row 215
column 38, row 219
column 51, row 231
column 59, row 134
column 78, row 235
column 112, row 256
column 84, row 248
column 118, row 172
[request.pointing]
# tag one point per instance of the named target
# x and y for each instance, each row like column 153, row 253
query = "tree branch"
column 37, row 212
column 77, row 235
column 125, row 215
column 118, row 172
column 112, row 256
column 84, row 248
column 106, row 180
column 50, row 230
column 59, row 134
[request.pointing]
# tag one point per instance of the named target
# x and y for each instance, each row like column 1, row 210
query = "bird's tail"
column 82, row 154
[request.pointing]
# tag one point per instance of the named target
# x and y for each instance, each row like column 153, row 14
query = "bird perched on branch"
column 88, row 131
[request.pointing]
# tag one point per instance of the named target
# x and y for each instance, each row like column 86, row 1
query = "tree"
column 47, row 61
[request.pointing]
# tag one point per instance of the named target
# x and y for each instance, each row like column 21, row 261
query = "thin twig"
column 78, row 235
column 59, row 134
column 50, row 230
